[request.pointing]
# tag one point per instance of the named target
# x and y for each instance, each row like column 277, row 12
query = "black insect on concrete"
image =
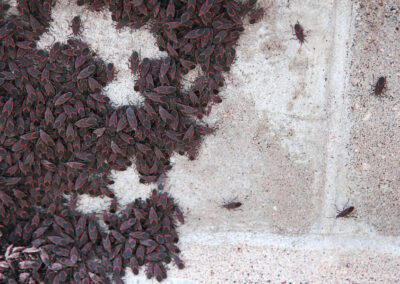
column 231, row 205
column 345, row 213
column 299, row 33
column 380, row 86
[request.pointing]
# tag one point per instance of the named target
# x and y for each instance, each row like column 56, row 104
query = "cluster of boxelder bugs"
column 60, row 135
column 68, row 247
column 193, row 33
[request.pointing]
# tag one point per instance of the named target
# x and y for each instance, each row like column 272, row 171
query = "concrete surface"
column 298, row 134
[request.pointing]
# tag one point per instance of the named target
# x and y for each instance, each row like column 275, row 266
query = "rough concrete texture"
column 258, row 258
column 375, row 136
column 298, row 133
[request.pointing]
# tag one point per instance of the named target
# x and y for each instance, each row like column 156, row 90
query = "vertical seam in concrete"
column 339, row 124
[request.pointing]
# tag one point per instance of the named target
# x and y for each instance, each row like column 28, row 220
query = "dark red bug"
column 179, row 215
column 158, row 272
column 76, row 25
column 134, row 62
column 207, row 5
column 231, row 205
column 345, row 212
column 380, row 86
column 299, row 33
column 256, row 15
column 110, row 72
column 178, row 261
column 86, row 72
